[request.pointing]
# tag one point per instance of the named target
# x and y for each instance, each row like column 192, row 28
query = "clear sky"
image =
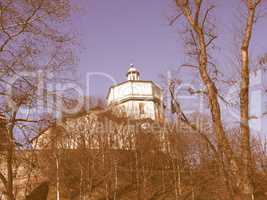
column 112, row 34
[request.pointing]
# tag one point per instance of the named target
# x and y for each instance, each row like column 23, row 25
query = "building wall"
column 133, row 88
column 133, row 109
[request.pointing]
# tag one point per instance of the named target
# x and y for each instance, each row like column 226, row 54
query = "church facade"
column 136, row 98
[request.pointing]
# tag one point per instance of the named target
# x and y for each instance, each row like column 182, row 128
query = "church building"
column 136, row 98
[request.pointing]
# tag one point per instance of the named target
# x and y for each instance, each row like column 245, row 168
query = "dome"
column 132, row 69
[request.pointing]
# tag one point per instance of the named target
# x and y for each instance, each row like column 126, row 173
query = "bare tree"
column 237, row 174
column 29, row 41
column 247, row 174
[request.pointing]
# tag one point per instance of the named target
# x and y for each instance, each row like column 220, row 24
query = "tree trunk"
column 137, row 176
column 247, row 187
column 10, row 172
column 224, row 149
column 116, row 180
column 10, row 156
column 57, row 178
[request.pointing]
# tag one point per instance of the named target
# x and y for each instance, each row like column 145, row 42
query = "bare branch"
column 198, row 7
column 179, row 112
column 206, row 15
column 172, row 21
column 24, row 27
column 189, row 65
column 257, row 2
column 211, row 40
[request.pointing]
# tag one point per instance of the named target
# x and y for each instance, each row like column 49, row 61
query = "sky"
column 113, row 34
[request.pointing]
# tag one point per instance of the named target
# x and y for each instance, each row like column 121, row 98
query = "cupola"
column 133, row 74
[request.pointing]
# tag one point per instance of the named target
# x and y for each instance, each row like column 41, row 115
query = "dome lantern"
column 133, row 74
